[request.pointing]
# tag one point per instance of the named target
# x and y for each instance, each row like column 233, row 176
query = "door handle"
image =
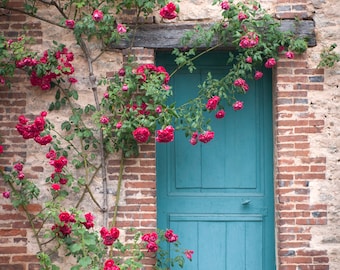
column 246, row 202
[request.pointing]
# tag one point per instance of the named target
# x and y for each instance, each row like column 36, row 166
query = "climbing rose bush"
column 134, row 110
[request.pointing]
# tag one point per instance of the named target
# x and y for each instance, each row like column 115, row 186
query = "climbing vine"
column 133, row 108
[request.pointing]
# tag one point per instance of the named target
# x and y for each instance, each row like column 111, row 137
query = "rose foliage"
column 133, row 110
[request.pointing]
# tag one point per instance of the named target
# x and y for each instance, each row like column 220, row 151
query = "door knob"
column 246, row 202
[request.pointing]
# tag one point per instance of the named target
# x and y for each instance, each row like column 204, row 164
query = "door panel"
column 219, row 196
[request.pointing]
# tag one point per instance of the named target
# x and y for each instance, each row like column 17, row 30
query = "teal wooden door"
column 219, row 196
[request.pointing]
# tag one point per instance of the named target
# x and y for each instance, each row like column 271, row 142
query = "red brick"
column 25, row 258
column 12, row 267
column 309, row 87
column 311, row 207
column 317, row 168
column 12, row 232
column 311, row 176
column 297, row 260
column 293, row 169
column 320, row 259
column 307, row 130
column 12, row 250
column 311, row 252
column 311, row 221
column 4, row 259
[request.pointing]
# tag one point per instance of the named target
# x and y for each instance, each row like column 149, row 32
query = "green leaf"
column 66, row 126
column 85, row 261
column 75, row 247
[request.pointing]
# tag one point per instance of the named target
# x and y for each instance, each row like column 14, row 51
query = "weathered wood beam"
column 165, row 36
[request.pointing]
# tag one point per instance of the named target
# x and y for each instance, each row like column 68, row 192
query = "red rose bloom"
column 241, row 16
column 150, row 237
column 238, row 105
column 271, row 62
column 220, row 114
column 70, row 24
column 152, row 247
column 141, row 134
column 169, row 11
column 212, row 103
column 97, row 15
column 241, row 83
column 290, row 55
column 171, row 236
column 109, row 236
column 165, row 135
column 206, row 137
column 110, row 265
column 55, row 187
column 258, row 75
column 66, row 217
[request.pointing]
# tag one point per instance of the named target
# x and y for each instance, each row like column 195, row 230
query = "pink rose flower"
column 51, row 154
column 110, row 265
column 66, row 217
column 206, row 137
column 21, row 175
column 121, row 72
column 271, row 62
column 165, row 135
column 121, row 28
column 1, row 149
column 168, row 11
column 258, row 75
column 241, row 16
column 141, row 134
column 241, row 83
column 188, row 254
column 18, row 167
column 106, row 95
column 63, row 181
column 249, row 60
column 70, row 24
column 238, row 105
column 281, row 48
column 104, row 120
column 158, row 109
column 152, row 247
column 150, row 237
column 109, row 236
column 97, row 15
column 193, row 141
column 212, row 103
column 225, row 5
column 72, row 80
column 125, row 87
column 170, row 236
column 43, row 140
column 119, row 125
column 89, row 221
column 249, row 40
column 6, row 194
column 220, row 114
column 55, row 187
column 290, row 55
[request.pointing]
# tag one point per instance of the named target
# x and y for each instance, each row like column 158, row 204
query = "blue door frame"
column 219, row 196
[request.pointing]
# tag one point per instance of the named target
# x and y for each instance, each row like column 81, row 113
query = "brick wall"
column 297, row 169
column 306, row 106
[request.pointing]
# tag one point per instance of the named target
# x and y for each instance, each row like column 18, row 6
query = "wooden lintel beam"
column 166, row 36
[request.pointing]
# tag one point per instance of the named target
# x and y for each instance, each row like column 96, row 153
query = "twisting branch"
column 94, row 88
column 33, row 16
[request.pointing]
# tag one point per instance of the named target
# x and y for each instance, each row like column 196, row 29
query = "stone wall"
column 306, row 132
